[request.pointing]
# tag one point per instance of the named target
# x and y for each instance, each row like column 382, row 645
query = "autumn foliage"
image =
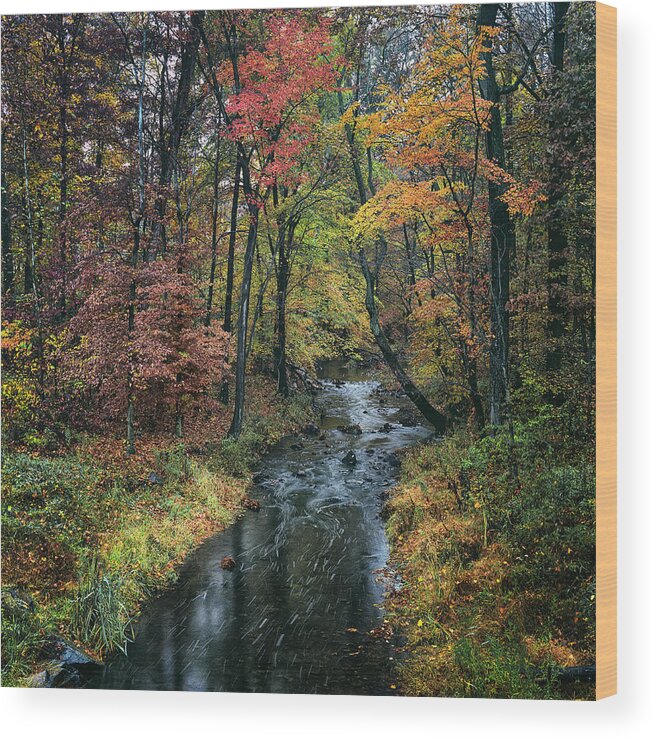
column 199, row 207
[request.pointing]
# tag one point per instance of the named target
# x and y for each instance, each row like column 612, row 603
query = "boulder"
column 350, row 458
column 393, row 461
column 311, row 430
column 65, row 653
column 66, row 667
column 406, row 418
column 350, row 429
column 55, row 676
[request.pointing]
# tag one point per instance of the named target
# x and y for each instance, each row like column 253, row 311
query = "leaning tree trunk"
column 432, row 415
column 502, row 234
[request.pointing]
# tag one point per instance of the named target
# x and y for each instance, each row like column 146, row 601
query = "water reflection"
column 295, row 613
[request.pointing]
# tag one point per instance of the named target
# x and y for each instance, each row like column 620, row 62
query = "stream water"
column 301, row 610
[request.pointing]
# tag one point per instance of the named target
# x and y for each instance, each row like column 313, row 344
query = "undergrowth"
column 494, row 540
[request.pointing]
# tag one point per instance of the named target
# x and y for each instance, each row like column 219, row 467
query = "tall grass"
column 21, row 640
column 100, row 617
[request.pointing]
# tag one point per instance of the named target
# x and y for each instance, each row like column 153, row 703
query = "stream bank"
column 89, row 535
column 300, row 607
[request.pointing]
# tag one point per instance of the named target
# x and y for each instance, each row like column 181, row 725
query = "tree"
column 270, row 87
column 371, row 275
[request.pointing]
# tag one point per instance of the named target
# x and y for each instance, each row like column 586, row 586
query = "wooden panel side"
column 606, row 454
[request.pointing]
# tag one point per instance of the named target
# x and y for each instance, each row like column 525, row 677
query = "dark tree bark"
column 251, row 197
column 136, row 242
column 7, row 253
column 181, row 112
column 502, row 234
column 284, row 244
column 244, row 299
column 234, row 211
column 66, row 52
column 431, row 414
column 556, row 235
column 230, row 271
column 410, row 257
column 215, row 219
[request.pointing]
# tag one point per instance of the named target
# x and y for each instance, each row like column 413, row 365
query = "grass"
column 497, row 569
column 100, row 616
column 90, row 535
column 22, row 639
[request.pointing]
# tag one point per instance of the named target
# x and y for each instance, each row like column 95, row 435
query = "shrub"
column 48, row 506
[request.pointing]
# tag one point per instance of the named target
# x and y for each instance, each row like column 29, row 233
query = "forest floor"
column 497, row 593
column 89, row 535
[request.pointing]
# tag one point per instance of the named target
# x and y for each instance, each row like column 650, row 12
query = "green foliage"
column 48, row 506
column 496, row 669
column 236, row 456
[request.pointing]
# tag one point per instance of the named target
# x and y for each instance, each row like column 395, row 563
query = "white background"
column 631, row 714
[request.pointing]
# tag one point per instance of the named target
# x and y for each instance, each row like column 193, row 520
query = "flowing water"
column 301, row 610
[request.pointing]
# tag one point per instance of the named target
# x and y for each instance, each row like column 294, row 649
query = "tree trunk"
column 432, row 415
column 215, row 218
column 230, row 273
column 412, row 275
column 7, row 254
column 502, row 235
column 136, row 241
column 180, row 116
column 285, row 236
column 130, row 443
column 63, row 165
column 556, row 237
column 244, row 299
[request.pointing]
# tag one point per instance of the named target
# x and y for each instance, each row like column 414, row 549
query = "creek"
column 301, row 611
